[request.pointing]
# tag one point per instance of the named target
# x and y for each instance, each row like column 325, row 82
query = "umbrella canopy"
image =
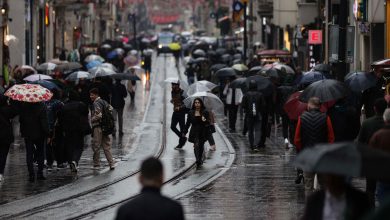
column 240, row 67
column 138, row 70
column 237, row 56
column 58, row 61
column 78, row 75
column 112, row 55
column 239, row 83
column 131, row 60
column 199, row 53
column 174, row 46
column 225, row 72
column 220, row 51
column 93, row 64
column 274, row 53
column 26, row 69
column 216, row 67
column 36, row 77
column 326, row 90
column 381, row 63
column 225, row 58
column 29, row 93
column 46, row 66
column 272, row 72
column 106, row 46
column 211, row 101
column 310, row 77
column 264, row 85
column 208, row 84
column 68, row 66
column 170, row 80
column 47, row 84
column 255, row 70
column 347, row 159
column 197, row 87
column 125, row 76
column 283, row 68
column 119, row 51
column 92, row 57
column 294, row 107
column 101, row 71
column 360, row 81
column 110, row 66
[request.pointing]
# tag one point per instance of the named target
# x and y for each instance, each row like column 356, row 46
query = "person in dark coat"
column 7, row 112
column 368, row 128
column 179, row 113
column 150, row 204
column 337, row 201
column 253, row 104
column 313, row 127
column 198, row 120
column 104, row 90
column 282, row 94
column 73, row 120
column 34, row 128
column 118, row 95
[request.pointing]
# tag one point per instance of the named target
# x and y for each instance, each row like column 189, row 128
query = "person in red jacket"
column 313, row 127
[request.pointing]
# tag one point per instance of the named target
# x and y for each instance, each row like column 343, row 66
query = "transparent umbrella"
column 93, row 57
column 183, row 84
column 78, row 75
column 211, row 101
column 101, row 71
column 46, row 66
column 197, row 87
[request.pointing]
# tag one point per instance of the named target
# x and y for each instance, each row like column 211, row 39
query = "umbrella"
column 326, row 90
column 237, row 61
column 264, row 85
column 285, row 69
column 29, row 93
column 105, row 46
column 274, row 53
column 211, row 101
column 36, row 77
column 101, row 71
column 225, row 72
column 112, row 55
column 174, row 46
column 170, row 80
column 239, row 83
column 199, row 53
column 216, row 67
column 93, row 57
column 131, row 60
column 148, row 52
column 110, row 66
column 25, row 69
column 58, row 61
column 273, row 73
column 237, row 56
column 310, row 77
column 255, row 70
column 294, row 107
column 322, row 67
column 93, row 63
column 240, row 67
column 208, row 84
column 225, row 58
column 125, row 76
column 68, row 66
column 119, row 51
column 360, row 81
column 78, row 75
column 199, row 60
column 197, row 87
column 220, row 51
column 138, row 70
column 46, row 66
column 381, row 63
column 47, row 84
column 346, row 159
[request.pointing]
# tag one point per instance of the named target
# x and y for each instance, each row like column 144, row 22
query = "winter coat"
column 369, row 127
column 199, row 129
column 177, row 101
column 33, row 121
column 345, row 122
column 250, row 98
column 73, row 116
column 118, row 96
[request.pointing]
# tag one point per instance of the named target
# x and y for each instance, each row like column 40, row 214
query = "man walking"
column 313, row 127
column 233, row 100
column 253, row 104
column 119, row 94
column 179, row 113
column 99, row 138
column 150, row 204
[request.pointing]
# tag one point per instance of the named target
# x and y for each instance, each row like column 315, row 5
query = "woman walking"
column 198, row 119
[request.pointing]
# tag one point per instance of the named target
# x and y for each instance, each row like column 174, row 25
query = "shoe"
column 178, row 147
column 1, row 178
column 112, row 167
column 96, row 167
column 49, row 168
column 73, row 166
column 40, row 176
column 255, row 149
column 286, row 143
column 299, row 178
column 213, row 148
column 31, row 178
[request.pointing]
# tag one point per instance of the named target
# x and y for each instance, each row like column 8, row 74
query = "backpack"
column 107, row 123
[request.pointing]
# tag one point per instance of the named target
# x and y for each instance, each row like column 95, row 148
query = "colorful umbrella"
column 93, row 64
column 29, row 93
column 294, row 107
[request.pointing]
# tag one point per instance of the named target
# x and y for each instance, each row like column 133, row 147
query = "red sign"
column 315, row 36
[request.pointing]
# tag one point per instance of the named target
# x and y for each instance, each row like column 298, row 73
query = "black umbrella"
column 220, row 51
column 125, row 76
column 322, row 67
column 225, row 58
column 310, row 77
column 239, row 83
column 264, row 85
column 225, row 72
column 237, row 61
column 199, row 53
column 237, row 56
column 273, row 73
column 360, row 81
column 216, row 67
column 255, row 70
column 200, row 59
column 326, row 90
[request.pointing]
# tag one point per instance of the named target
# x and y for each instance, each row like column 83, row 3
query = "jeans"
column 254, row 130
column 178, row 118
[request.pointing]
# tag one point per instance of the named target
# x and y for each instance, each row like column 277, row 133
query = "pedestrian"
column 190, row 73
column 34, row 128
column 150, row 204
column 7, row 112
column 198, row 120
column 104, row 90
column 131, row 85
column 283, row 93
column 338, row 200
column 74, row 123
column 233, row 100
column 100, row 139
column 53, row 106
column 210, row 137
column 179, row 113
column 381, row 141
column 118, row 96
column 253, row 104
column 368, row 128
column 314, row 127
